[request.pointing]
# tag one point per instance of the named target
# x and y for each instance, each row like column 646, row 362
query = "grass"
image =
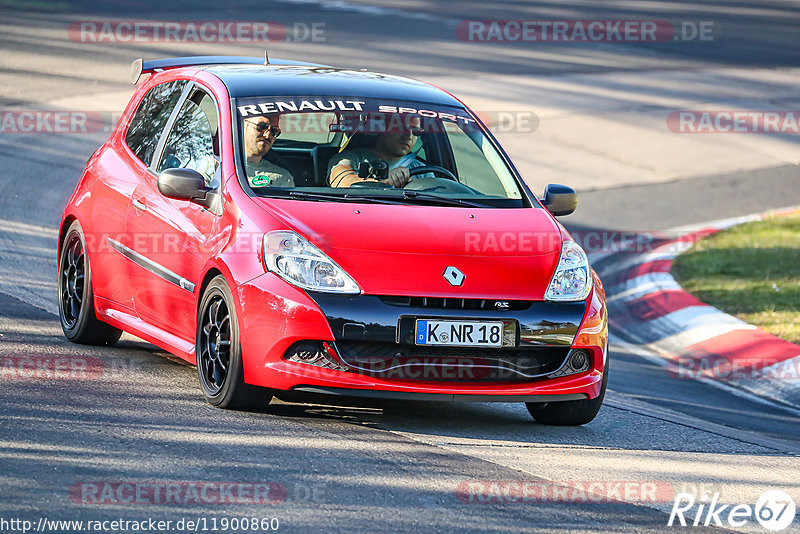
column 751, row 271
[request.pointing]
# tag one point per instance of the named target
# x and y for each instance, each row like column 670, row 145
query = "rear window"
column 303, row 128
column 150, row 118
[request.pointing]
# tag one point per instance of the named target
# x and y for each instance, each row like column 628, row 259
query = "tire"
column 76, row 297
column 219, row 355
column 570, row 413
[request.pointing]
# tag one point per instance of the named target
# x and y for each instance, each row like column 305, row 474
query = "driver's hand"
column 398, row 177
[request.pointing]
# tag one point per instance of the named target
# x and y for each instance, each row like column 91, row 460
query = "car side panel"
column 179, row 236
column 100, row 205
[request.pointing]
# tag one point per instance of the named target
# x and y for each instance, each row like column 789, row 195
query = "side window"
column 151, row 116
column 419, row 149
column 193, row 142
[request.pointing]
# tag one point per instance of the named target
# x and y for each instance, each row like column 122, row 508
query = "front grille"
column 412, row 362
column 456, row 303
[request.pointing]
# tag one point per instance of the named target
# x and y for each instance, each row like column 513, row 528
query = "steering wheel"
column 433, row 169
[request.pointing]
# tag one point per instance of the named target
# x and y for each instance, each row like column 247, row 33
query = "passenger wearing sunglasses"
column 259, row 135
column 393, row 146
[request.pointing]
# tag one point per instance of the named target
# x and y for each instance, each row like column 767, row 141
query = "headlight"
column 573, row 278
column 302, row 264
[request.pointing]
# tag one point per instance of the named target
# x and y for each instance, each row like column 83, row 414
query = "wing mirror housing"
column 186, row 184
column 560, row 199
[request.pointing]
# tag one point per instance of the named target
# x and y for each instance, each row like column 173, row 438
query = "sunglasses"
column 267, row 127
column 415, row 131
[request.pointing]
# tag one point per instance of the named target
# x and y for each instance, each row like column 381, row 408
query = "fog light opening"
column 579, row 360
column 316, row 353
column 306, row 352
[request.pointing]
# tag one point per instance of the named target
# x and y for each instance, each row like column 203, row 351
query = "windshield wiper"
column 303, row 195
column 427, row 197
column 313, row 196
column 443, row 200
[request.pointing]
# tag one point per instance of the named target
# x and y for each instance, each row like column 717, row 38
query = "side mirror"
column 185, row 184
column 560, row 199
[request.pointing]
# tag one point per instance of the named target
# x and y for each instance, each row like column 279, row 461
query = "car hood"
column 405, row 250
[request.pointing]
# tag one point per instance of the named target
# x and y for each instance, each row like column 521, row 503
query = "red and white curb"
column 648, row 307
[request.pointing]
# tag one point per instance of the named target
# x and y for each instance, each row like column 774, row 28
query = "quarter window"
column 150, row 118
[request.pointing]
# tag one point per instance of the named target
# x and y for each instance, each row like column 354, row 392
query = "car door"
column 119, row 172
column 172, row 239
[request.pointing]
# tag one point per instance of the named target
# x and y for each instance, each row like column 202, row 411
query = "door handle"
column 139, row 205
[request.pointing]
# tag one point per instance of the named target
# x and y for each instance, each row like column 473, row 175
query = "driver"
column 392, row 146
column 259, row 134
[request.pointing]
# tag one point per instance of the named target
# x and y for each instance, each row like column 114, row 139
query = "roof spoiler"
column 139, row 67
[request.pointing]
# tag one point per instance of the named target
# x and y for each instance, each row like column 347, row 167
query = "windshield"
column 355, row 149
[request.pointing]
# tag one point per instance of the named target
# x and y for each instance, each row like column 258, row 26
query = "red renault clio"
column 295, row 228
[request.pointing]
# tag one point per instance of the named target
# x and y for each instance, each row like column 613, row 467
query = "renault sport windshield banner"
column 349, row 115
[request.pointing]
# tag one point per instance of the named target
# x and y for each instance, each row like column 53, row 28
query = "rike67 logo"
column 774, row 510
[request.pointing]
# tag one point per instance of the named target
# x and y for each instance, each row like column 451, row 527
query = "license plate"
column 460, row 333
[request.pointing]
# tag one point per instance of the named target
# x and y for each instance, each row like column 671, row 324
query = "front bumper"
column 274, row 316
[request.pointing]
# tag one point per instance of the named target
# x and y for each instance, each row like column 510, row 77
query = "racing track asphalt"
column 372, row 467
column 659, row 207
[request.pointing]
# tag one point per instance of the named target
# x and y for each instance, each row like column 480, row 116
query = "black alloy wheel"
column 219, row 355
column 215, row 345
column 76, row 296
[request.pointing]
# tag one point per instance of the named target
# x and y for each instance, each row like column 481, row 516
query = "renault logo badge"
column 454, row 276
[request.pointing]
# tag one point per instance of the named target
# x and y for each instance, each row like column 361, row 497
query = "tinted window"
column 193, row 140
column 150, row 118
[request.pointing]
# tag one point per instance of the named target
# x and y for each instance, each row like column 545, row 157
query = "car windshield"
column 363, row 150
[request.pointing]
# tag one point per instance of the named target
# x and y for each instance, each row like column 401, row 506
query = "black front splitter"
column 438, row 397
